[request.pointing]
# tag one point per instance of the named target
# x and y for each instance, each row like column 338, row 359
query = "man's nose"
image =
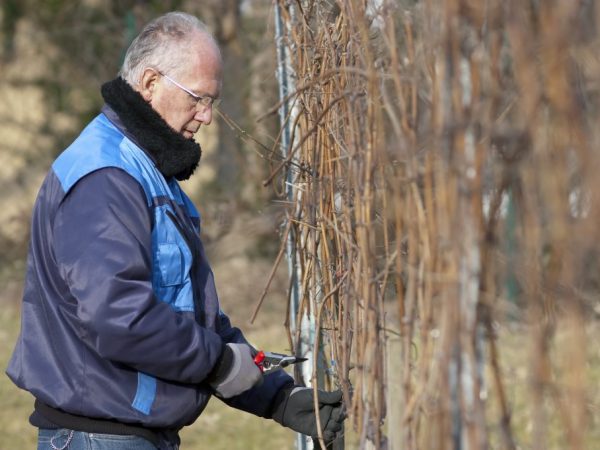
column 204, row 115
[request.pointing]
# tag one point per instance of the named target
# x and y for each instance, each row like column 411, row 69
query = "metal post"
column 287, row 115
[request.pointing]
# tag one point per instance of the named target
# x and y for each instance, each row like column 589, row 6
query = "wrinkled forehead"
column 204, row 51
column 201, row 65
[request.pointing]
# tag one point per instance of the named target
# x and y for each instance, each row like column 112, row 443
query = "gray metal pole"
column 286, row 117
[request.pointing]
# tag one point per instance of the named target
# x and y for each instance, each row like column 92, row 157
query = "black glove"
column 294, row 408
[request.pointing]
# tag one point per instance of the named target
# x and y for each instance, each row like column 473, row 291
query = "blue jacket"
column 120, row 316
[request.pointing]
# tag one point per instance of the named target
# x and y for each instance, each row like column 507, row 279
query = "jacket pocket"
column 171, row 263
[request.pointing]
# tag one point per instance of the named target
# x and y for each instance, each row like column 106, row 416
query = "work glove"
column 236, row 371
column 294, row 407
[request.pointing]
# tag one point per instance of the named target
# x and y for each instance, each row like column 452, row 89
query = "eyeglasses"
column 205, row 100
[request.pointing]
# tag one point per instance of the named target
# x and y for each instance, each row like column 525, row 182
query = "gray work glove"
column 294, row 408
column 236, row 371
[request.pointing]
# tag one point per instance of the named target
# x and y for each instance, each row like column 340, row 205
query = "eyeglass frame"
column 205, row 100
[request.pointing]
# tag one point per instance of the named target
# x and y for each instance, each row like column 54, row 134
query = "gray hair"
column 163, row 44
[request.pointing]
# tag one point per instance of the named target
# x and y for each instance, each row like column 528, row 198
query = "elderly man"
column 122, row 340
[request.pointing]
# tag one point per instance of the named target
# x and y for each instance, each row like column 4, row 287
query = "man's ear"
column 148, row 83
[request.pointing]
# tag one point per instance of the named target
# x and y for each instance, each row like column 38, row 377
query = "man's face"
column 202, row 76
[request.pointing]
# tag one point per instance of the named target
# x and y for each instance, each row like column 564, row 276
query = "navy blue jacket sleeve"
column 102, row 235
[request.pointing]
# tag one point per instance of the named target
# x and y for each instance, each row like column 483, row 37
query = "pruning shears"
column 269, row 362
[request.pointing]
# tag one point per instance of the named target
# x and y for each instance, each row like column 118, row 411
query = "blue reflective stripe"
column 145, row 394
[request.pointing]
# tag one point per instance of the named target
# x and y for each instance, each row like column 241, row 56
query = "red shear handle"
column 258, row 360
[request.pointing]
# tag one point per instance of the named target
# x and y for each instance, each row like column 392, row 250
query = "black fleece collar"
column 173, row 154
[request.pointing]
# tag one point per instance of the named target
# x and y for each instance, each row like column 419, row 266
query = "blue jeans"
column 63, row 439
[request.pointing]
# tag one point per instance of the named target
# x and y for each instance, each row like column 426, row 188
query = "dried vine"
column 443, row 165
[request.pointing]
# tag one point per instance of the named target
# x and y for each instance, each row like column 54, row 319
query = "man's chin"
column 187, row 134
